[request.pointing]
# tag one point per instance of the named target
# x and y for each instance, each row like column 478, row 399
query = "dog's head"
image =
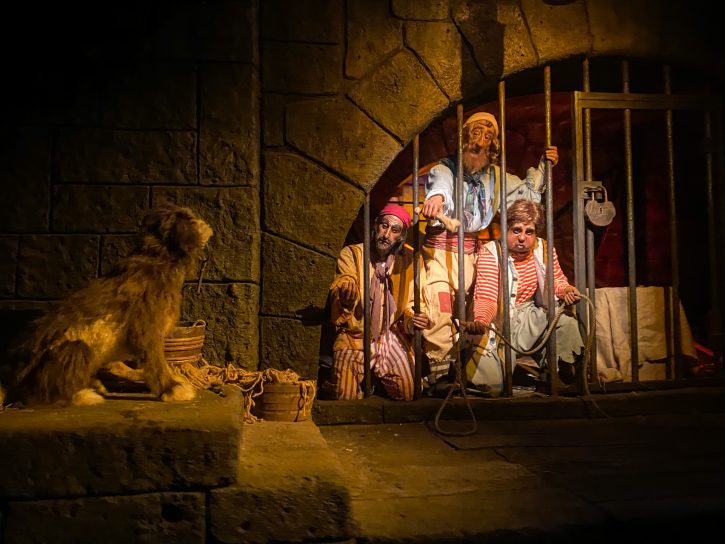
column 173, row 229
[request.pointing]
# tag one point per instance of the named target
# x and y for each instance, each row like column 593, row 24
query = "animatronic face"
column 389, row 235
column 479, row 137
column 521, row 238
column 173, row 229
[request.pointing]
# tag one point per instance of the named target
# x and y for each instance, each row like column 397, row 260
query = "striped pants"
column 390, row 361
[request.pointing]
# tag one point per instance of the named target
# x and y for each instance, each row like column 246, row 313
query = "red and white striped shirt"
column 485, row 293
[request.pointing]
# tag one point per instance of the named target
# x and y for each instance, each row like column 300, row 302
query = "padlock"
column 600, row 214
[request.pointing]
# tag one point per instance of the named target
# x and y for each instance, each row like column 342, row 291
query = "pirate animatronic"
column 481, row 180
column 526, row 269
column 121, row 317
column 392, row 316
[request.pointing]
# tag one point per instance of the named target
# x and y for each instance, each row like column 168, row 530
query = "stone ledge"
column 150, row 518
column 291, row 488
column 129, row 444
column 710, row 398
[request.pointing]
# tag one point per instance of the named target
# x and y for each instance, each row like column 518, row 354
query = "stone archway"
column 425, row 58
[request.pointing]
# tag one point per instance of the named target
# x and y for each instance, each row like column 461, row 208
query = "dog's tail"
column 58, row 373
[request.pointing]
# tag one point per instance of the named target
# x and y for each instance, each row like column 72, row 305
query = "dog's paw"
column 180, row 392
column 87, row 397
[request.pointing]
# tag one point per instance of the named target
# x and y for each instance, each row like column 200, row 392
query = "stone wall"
column 272, row 119
column 114, row 109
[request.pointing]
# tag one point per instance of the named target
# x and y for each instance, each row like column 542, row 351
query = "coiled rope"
column 459, row 382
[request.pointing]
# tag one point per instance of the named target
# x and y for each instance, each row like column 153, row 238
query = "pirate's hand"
column 347, row 292
column 420, row 321
column 551, row 153
column 571, row 295
column 432, row 206
column 474, row 328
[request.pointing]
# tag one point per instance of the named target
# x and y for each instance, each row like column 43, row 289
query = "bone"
column 449, row 223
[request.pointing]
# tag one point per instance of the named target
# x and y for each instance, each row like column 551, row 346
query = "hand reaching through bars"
column 475, row 328
column 433, row 206
column 420, row 321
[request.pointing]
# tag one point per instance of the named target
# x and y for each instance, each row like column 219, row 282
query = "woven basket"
column 183, row 344
column 287, row 401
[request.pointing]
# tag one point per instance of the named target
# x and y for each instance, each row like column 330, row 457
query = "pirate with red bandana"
column 392, row 318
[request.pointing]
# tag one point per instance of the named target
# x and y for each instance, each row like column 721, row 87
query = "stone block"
column 439, row 45
column 626, row 27
column 99, row 208
column 8, row 264
column 289, row 343
column 400, row 95
column 301, row 68
column 150, row 95
column 48, row 92
column 372, row 35
column 294, row 183
column 273, row 118
column 341, row 412
column 156, row 517
column 109, row 156
column 227, row 31
column 336, row 133
column 52, row 266
column 557, row 31
column 232, row 327
column 24, row 178
column 296, row 280
column 518, row 51
column 479, row 25
column 425, row 10
column 285, row 493
column 291, row 20
column 128, row 444
column 233, row 213
column 229, row 131
column 114, row 248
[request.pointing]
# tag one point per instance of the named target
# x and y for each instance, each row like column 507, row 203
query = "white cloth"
column 614, row 355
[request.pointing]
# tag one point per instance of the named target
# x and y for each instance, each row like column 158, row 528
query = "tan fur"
column 123, row 316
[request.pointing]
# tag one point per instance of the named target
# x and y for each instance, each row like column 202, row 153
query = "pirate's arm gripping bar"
column 449, row 223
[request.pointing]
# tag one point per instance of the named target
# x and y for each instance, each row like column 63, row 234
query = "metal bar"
column 589, row 232
column 711, row 231
column 504, row 264
column 578, row 220
column 674, row 251
column 366, row 295
column 551, row 355
column 631, row 248
column 718, row 326
column 461, row 293
column 640, row 101
column 417, row 342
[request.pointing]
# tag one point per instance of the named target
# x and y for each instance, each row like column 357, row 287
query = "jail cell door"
column 643, row 205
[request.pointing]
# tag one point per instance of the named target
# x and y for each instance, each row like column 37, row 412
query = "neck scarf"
column 382, row 303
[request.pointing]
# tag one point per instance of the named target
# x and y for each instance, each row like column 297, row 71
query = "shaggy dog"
column 121, row 317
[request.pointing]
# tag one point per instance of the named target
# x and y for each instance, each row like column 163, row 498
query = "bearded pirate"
column 481, row 178
column 392, row 318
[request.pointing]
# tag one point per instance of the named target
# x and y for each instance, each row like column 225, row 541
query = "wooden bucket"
column 287, row 401
column 183, row 344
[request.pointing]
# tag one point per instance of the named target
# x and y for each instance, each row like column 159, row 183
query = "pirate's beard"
column 475, row 159
column 382, row 250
